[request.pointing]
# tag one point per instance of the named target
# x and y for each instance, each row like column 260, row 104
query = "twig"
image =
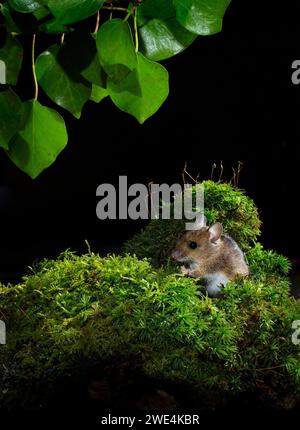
column 185, row 172
column 213, row 167
column 221, row 170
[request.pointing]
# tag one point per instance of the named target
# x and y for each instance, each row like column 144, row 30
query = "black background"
column 231, row 99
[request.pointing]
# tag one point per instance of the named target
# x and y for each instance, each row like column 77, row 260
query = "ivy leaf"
column 161, row 36
column 98, row 93
column 42, row 13
column 143, row 91
column 92, row 72
column 158, row 9
column 25, row 6
column 162, row 39
column 38, row 144
column 116, row 49
column 53, row 27
column 18, row 22
column 70, row 11
column 59, row 73
column 11, row 53
column 203, row 17
column 11, row 109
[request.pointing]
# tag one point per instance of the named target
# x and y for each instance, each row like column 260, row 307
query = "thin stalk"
column 136, row 35
column 116, row 8
column 97, row 22
column 36, row 86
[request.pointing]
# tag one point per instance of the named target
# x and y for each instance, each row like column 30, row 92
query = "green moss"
column 267, row 263
column 75, row 311
column 223, row 203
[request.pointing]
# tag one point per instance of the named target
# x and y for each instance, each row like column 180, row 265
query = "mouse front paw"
column 188, row 272
column 184, row 270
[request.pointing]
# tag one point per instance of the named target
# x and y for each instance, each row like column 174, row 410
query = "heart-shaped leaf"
column 38, row 144
column 17, row 22
column 53, row 26
column 160, row 34
column 116, row 49
column 59, row 72
column 11, row 109
column 98, row 93
column 70, row 11
column 92, row 72
column 25, row 6
column 143, row 91
column 158, row 9
column 203, row 17
column 162, row 39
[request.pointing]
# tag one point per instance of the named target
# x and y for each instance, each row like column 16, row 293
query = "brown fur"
column 222, row 255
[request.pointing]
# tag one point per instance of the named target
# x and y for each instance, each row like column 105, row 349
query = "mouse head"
column 200, row 245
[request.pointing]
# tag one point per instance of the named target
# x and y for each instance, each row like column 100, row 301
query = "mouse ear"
column 200, row 222
column 215, row 232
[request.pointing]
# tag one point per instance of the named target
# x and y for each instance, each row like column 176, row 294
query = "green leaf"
column 143, row 91
column 98, row 94
column 25, row 6
column 11, row 109
column 203, row 17
column 162, row 39
column 43, row 137
column 41, row 13
column 19, row 23
column 11, row 53
column 53, row 26
column 59, row 73
column 70, row 11
column 160, row 34
column 116, row 49
column 93, row 72
column 158, row 9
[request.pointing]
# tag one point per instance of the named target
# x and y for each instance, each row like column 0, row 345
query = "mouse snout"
column 177, row 254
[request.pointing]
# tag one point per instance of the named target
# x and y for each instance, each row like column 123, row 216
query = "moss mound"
column 79, row 310
column 76, row 312
column 223, row 203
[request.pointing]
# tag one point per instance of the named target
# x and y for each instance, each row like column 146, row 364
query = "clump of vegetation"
column 223, row 203
column 75, row 312
column 79, row 310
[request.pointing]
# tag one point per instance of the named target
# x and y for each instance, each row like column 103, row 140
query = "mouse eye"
column 193, row 245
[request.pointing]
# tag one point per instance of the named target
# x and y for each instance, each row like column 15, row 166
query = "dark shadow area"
column 231, row 100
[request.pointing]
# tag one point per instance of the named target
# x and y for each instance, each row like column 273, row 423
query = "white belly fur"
column 214, row 283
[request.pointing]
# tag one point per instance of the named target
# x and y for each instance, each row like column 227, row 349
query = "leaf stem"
column 97, row 22
column 36, row 86
column 116, row 8
column 136, row 31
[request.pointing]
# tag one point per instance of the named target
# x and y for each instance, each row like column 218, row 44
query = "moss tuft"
column 223, row 203
column 79, row 310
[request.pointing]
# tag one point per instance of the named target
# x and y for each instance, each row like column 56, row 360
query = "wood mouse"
column 209, row 254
